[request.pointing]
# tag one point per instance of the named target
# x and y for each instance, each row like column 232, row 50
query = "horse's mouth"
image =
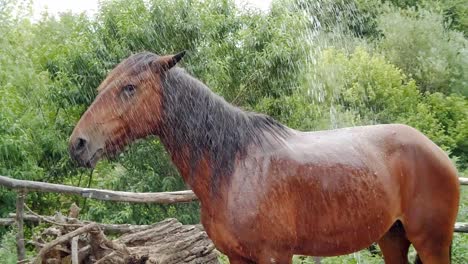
column 91, row 163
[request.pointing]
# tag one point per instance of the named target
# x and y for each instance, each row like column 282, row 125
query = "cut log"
column 166, row 242
column 170, row 242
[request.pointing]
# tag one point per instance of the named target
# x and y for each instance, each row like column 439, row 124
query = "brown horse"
column 268, row 191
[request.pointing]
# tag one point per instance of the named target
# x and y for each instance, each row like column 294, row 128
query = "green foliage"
column 455, row 13
column 377, row 91
column 405, row 3
column 337, row 17
column 443, row 119
column 459, row 252
column 8, row 247
column 419, row 43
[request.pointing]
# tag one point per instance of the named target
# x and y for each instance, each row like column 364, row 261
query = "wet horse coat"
column 268, row 191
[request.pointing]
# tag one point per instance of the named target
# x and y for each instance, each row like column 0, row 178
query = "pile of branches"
column 69, row 240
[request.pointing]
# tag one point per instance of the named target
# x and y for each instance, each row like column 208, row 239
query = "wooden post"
column 20, row 249
column 74, row 250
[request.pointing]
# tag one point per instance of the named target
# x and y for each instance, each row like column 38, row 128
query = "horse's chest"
column 222, row 233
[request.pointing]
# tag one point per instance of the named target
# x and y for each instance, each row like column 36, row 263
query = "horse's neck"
column 205, row 135
column 196, row 125
column 198, row 177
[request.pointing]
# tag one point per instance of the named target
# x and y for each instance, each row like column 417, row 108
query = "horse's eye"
column 129, row 90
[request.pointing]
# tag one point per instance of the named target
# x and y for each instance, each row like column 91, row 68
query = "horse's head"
column 128, row 107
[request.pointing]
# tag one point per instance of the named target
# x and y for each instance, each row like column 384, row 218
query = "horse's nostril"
column 80, row 144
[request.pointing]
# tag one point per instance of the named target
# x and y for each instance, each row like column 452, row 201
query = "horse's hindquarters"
column 430, row 200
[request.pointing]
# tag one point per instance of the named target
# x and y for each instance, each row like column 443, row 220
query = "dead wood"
column 107, row 228
column 64, row 238
column 167, row 242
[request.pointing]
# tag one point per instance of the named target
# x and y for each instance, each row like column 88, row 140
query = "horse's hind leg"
column 431, row 232
column 395, row 245
column 429, row 221
column 433, row 255
column 429, row 227
column 432, row 250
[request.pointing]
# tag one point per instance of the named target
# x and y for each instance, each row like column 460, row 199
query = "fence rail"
column 105, row 195
column 108, row 195
column 463, row 181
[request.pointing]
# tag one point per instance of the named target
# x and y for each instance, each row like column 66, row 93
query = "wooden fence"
column 105, row 195
column 22, row 187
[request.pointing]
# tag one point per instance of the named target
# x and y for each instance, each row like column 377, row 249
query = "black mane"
column 196, row 117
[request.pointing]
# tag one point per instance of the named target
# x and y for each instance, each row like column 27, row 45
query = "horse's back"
column 365, row 145
column 399, row 156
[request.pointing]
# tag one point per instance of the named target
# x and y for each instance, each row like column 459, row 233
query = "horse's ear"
column 164, row 63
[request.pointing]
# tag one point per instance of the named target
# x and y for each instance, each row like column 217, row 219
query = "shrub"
column 367, row 84
column 418, row 42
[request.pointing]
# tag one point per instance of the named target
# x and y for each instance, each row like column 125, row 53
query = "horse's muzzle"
column 83, row 152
